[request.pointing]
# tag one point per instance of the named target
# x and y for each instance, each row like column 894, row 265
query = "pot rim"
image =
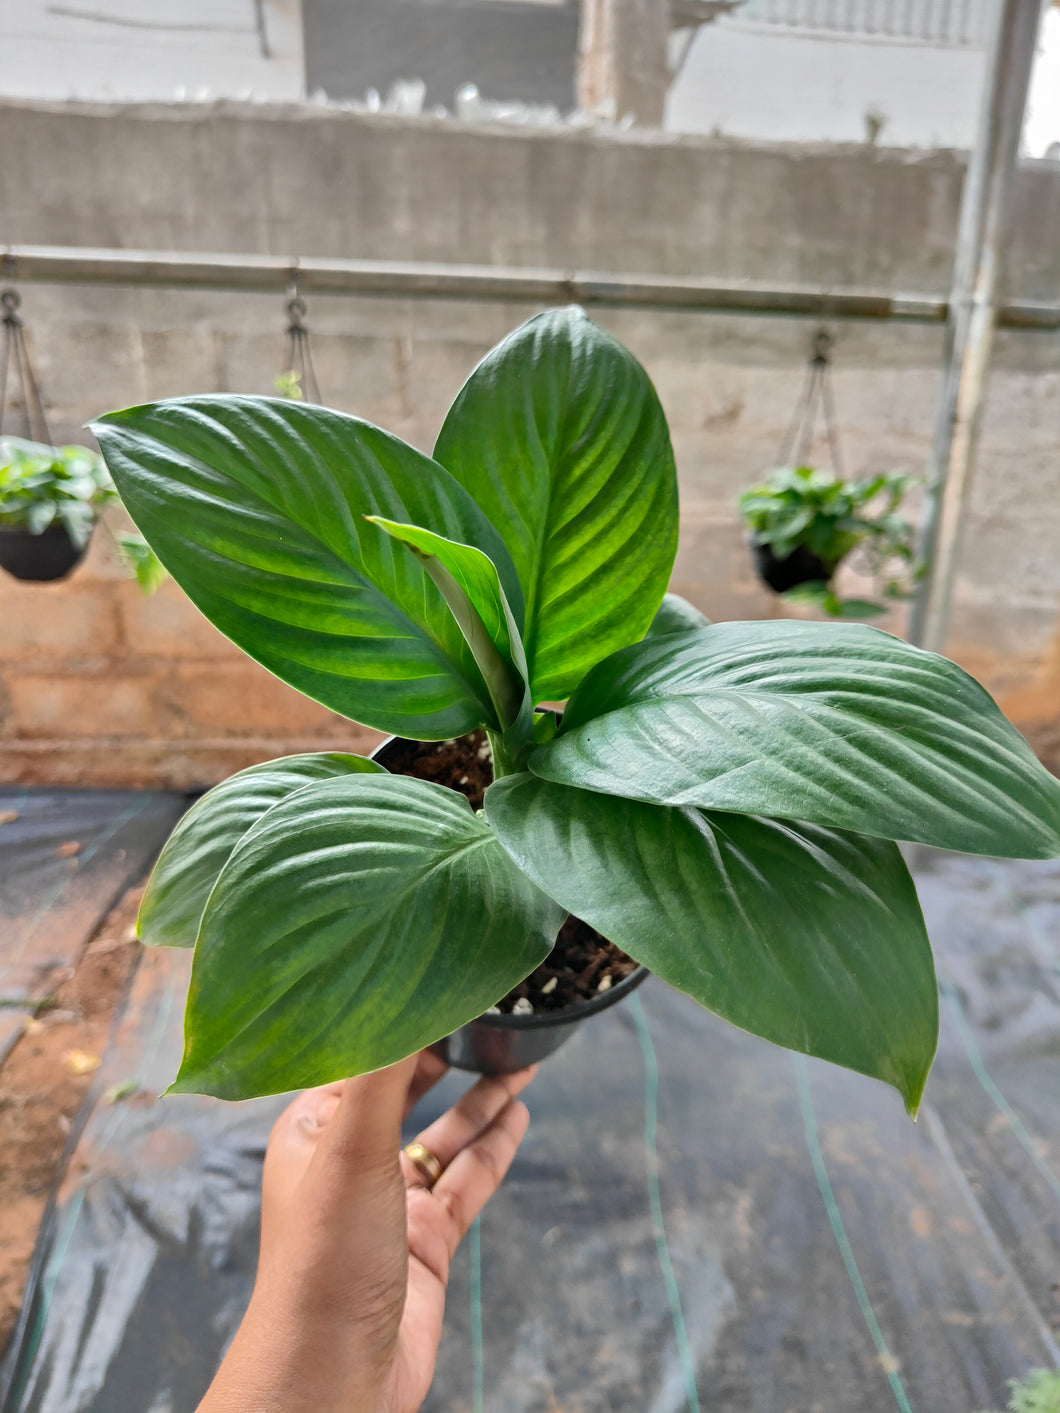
column 541, row 1020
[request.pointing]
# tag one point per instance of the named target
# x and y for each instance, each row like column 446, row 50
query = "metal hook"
column 11, row 300
column 823, row 343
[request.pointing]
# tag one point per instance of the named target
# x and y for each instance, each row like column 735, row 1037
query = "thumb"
column 363, row 1137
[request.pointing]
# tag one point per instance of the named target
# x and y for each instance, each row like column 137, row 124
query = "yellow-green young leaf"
column 202, row 842
column 809, row 937
column 470, row 585
column 257, row 508
column 844, row 726
column 357, row 922
column 559, row 436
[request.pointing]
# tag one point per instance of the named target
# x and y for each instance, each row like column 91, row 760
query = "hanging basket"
column 50, row 554
column 800, row 567
column 41, row 558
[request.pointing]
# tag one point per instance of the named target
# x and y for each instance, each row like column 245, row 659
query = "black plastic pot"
column 499, row 1044
column 38, row 558
column 800, row 567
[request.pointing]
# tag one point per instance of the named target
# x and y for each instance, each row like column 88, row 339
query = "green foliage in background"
column 1037, row 1392
column 721, row 801
column 799, row 506
column 42, row 486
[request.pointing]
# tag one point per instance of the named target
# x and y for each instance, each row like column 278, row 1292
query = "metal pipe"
column 973, row 314
column 270, row 273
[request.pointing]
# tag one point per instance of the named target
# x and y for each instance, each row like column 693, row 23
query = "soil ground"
column 43, row 1083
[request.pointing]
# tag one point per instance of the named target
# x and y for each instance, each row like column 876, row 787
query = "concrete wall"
column 98, row 683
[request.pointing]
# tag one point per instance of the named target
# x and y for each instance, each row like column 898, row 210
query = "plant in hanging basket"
column 803, row 524
column 718, row 801
column 50, row 500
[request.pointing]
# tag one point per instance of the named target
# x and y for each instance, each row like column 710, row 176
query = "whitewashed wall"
column 810, row 71
column 151, row 49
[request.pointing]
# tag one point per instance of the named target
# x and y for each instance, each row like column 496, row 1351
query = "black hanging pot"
column 38, row 558
column 495, row 1043
column 801, row 566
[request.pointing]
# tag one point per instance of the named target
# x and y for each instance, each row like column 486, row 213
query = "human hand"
column 347, row 1308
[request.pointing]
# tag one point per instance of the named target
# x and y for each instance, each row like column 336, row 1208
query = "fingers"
column 468, row 1118
column 439, row 1219
column 478, row 1170
column 429, row 1070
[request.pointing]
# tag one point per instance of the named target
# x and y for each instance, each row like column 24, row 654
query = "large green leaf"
column 809, row 937
column 359, row 920
column 202, row 842
column 470, row 585
column 559, row 436
column 844, row 726
column 257, row 508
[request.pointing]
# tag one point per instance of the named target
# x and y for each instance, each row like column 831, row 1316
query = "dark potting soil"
column 582, row 964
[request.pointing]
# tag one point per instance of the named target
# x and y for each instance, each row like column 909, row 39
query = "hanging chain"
column 15, row 352
column 299, row 354
column 816, row 392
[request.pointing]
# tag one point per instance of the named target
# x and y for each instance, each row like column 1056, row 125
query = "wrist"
column 280, row 1363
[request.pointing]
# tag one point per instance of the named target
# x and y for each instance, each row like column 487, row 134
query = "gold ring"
column 426, row 1163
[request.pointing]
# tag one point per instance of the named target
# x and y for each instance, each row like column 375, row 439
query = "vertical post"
column 623, row 59
column 973, row 313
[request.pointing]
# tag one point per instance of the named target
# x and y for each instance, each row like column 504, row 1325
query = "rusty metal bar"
column 401, row 279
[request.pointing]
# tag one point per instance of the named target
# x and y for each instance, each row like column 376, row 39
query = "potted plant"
column 802, row 524
column 719, row 801
column 50, row 500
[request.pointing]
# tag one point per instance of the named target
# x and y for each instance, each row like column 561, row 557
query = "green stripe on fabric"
column 1000, row 1103
column 474, row 1251
column 662, row 1246
column 835, row 1220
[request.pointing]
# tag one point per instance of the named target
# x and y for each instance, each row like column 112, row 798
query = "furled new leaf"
column 203, row 841
column 812, row 938
column 844, row 726
column 257, row 508
column 470, row 585
column 559, row 436
column 359, row 920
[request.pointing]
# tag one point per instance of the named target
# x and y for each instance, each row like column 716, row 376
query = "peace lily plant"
column 721, row 801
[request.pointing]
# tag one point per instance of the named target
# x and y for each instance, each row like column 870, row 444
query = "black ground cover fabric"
column 697, row 1220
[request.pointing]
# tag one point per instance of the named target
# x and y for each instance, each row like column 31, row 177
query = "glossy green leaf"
column 358, row 921
column 676, row 615
column 809, row 937
column 257, row 508
column 559, row 436
column 202, row 842
column 470, row 585
column 844, row 726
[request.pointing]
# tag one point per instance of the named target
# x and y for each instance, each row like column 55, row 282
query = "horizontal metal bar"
column 270, row 273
